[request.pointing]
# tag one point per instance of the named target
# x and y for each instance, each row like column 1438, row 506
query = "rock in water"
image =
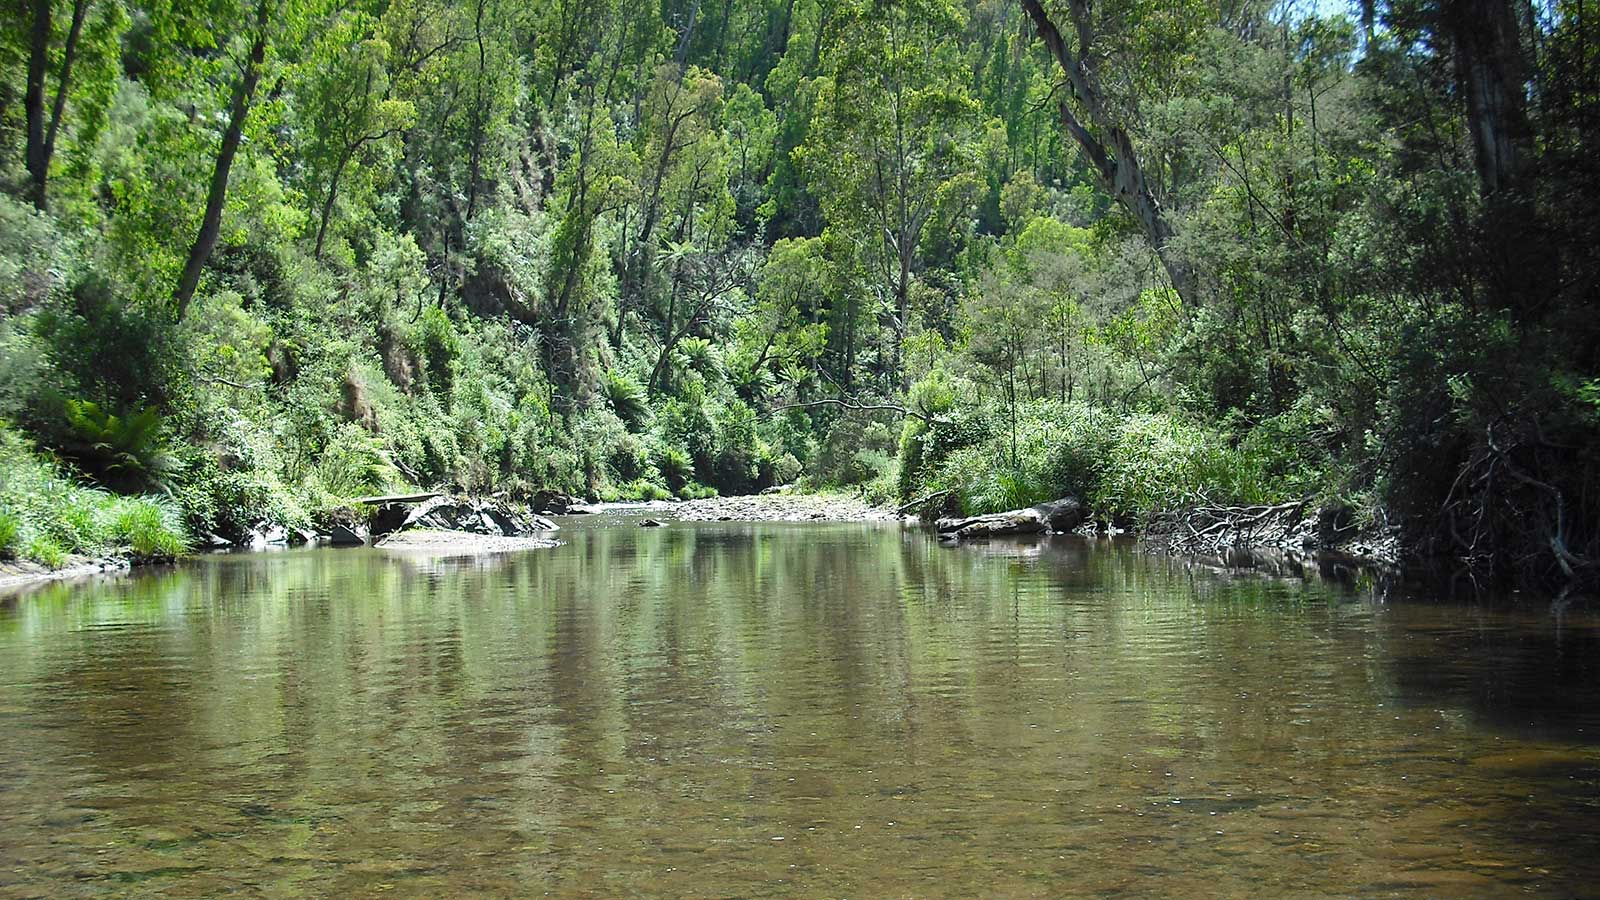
column 348, row 536
column 552, row 503
column 651, row 523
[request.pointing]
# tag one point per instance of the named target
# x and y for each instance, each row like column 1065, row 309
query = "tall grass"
column 46, row 514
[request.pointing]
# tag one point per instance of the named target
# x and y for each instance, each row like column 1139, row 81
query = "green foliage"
column 120, row 450
column 576, row 245
column 627, row 399
column 10, row 534
column 46, row 515
column 1122, row 468
column 440, row 348
column 675, row 467
column 149, row 529
column 45, row 550
column 354, row 463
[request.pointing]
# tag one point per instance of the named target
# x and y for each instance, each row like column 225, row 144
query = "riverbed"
column 733, row 709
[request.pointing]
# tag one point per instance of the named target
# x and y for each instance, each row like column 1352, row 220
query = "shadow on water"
column 788, row 710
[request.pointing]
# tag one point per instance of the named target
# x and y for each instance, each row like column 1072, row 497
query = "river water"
column 731, row 710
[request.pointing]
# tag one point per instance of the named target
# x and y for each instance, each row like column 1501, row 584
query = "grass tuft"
column 48, row 515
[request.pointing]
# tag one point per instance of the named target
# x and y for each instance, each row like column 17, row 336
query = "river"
column 738, row 710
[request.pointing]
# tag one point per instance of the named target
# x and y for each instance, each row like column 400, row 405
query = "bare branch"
column 855, row 406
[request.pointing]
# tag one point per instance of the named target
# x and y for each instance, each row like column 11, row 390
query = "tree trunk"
column 1111, row 154
column 902, row 307
column 327, row 205
column 216, row 198
column 1492, row 73
column 668, row 343
column 688, row 33
column 475, row 152
column 38, row 60
column 80, row 10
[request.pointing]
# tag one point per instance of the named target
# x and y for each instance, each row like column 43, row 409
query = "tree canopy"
column 630, row 250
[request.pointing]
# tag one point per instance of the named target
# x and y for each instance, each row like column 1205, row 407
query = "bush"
column 1123, row 468
column 645, row 491
column 46, row 551
column 10, row 534
column 353, row 463
column 675, row 466
column 786, row 469
column 855, row 451
column 440, row 345
column 122, row 451
column 627, row 398
column 47, row 515
column 696, row 491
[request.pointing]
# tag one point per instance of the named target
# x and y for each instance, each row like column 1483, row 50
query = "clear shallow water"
column 731, row 710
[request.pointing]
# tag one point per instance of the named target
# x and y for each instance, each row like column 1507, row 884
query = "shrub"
column 47, row 516
column 354, row 463
column 675, row 467
column 10, row 534
column 440, row 347
column 1124, row 468
column 643, row 490
column 696, row 491
column 45, row 550
column 786, row 469
column 127, row 450
column 856, row 450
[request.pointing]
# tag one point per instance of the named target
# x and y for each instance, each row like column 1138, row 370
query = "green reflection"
column 649, row 711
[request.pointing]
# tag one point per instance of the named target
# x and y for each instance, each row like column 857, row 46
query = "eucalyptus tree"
column 784, row 330
column 78, row 67
column 1105, row 45
column 682, row 168
column 892, row 148
column 244, row 34
column 349, row 118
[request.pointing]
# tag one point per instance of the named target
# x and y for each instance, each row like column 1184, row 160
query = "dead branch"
column 855, row 406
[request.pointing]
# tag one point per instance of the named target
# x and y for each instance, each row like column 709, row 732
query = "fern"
column 127, row 450
column 627, row 399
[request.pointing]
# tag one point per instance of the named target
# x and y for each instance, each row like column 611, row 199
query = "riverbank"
column 18, row 575
column 780, row 507
column 1297, row 529
column 1202, row 533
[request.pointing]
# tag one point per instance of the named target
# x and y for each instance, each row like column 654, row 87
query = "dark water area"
column 734, row 710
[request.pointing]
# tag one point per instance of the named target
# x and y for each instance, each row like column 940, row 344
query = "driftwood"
column 1058, row 515
column 1211, row 528
column 396, row 498
column 923, row 501
column 1503, row 504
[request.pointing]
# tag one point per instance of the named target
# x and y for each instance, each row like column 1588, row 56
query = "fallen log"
column 1065, row 514
column 921, row 502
